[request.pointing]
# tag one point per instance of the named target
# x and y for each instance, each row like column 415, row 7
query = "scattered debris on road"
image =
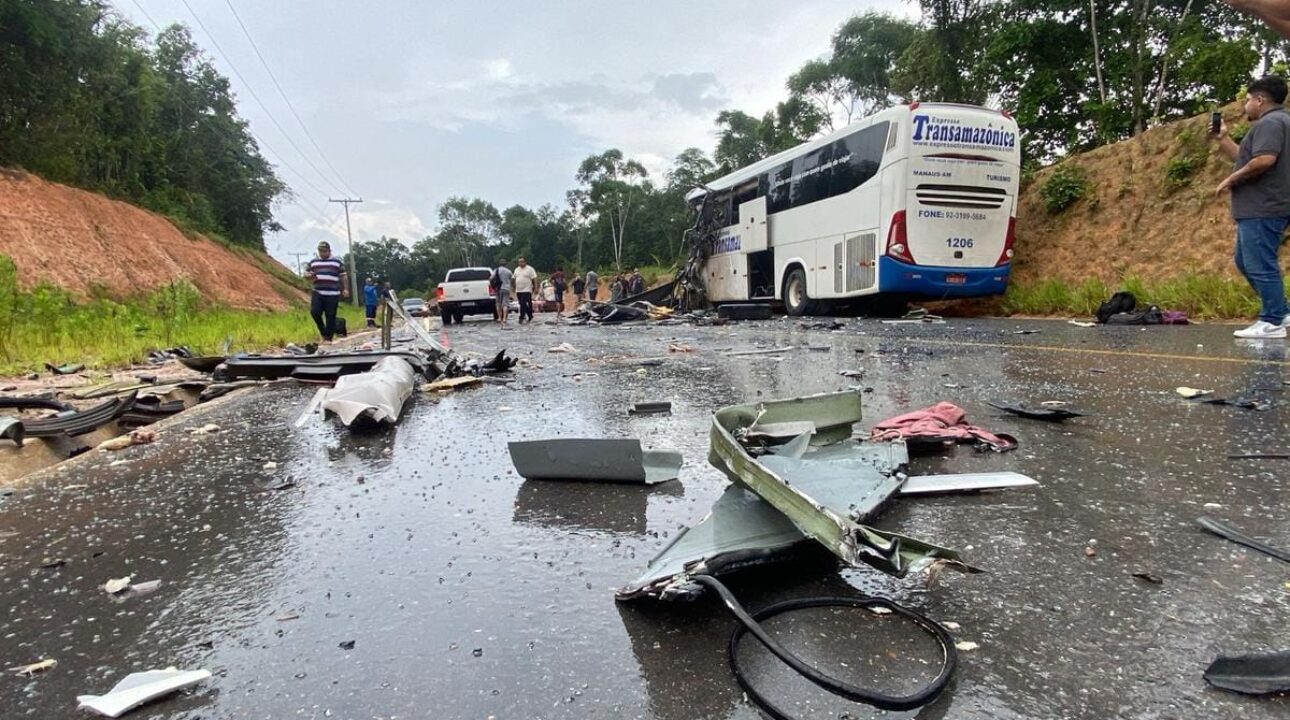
column 371, row 398
column 138, row 688
column 1224, row 530
column 33, row 668
column 603, row 460
column 662, row 407
column 1049, row 414
column 1251, row 674
column 940, row 424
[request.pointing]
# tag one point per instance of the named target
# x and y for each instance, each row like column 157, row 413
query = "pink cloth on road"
column 942, row 421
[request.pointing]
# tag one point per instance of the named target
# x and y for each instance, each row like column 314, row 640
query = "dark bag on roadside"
column 1151, row 315
column 1121, row 302
column 342, row 330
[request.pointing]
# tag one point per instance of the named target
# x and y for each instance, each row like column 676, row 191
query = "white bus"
column 918, row 200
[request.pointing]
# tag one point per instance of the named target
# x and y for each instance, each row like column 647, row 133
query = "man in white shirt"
column 525, row 282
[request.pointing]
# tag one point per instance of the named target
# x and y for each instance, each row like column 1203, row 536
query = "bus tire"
column 796, row 302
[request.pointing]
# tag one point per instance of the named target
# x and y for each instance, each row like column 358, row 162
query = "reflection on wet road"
column 469, row 592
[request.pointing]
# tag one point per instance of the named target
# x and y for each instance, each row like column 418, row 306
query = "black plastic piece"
column 1227, row 531
column 1251, row 674
column 80, row 423
column 1040, row 413
column 745, row 311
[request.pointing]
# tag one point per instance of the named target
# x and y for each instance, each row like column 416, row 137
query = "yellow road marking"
column 1099, row 351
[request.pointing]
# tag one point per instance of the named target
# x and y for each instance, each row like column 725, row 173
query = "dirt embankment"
column 1150, row 212
column 83, row 242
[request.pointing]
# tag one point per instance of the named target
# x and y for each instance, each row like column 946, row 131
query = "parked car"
column 465, row 291
column 416, row 307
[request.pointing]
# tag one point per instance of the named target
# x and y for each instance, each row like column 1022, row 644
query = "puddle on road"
column 468, row 592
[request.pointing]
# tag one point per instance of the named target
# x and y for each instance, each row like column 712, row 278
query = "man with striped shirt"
column 328, row 275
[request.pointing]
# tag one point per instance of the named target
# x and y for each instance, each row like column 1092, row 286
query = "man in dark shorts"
column 557, row 284
column 328, row 275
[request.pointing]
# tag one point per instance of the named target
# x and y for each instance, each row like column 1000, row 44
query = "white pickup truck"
column 465, row 291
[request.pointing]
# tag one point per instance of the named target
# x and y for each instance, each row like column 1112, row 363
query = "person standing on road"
column 593, row 284
column 557, row 284
column 579, row 288
column 501, row 284
column 1260, row 188
column 637, row 284
column 370, row 299
column 525, row 284
column 330, row 284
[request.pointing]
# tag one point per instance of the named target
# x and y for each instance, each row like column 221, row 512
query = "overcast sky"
column 413, row 101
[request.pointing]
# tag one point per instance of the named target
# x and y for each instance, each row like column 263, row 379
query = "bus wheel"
column 796, row 301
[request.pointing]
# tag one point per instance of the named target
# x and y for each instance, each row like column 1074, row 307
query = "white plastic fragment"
column 951, row 625
column 138, row 688
column 32, row 669
column 966, row 646
column 1190, row 392
column 112, row 587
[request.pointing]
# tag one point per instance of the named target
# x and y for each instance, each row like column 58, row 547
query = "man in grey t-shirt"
column 593, row 284
column 1260, row 187
column 501, row 284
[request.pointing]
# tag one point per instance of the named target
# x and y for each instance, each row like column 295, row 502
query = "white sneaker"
column 1285, row 321
column 1262, row 330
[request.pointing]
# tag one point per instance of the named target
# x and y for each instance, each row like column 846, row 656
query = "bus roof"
column 750, row 172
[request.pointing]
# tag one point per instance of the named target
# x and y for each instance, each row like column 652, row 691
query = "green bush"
column 1067, row 184
column 1189, row 156
column 1238, row 132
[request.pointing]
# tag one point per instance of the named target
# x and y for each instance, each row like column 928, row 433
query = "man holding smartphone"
column 1260, row 188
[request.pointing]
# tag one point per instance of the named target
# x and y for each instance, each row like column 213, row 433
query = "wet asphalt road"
column 469, row 593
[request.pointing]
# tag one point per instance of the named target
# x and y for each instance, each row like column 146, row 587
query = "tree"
column 613, row 187
column 690, row 169
column 466, row 228
column 84, row 100
column 743, row 139
column 856, row 79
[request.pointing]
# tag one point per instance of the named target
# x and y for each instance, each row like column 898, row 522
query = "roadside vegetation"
column 46, row 324
column 1202, row 297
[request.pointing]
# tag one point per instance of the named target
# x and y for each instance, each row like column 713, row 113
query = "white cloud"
column 498, row 69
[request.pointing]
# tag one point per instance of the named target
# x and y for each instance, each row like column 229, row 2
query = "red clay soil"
column 1133, row 223
column 80, row 241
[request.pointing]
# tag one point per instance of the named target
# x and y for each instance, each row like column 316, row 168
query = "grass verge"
column 1203, row 297
column 46, row 324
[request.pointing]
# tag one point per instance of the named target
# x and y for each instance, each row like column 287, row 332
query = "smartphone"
column 1215, row 122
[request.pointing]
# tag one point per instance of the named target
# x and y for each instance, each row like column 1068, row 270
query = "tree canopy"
column 87, row 100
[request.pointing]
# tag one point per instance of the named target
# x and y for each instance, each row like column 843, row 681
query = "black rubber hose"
column 751, row 624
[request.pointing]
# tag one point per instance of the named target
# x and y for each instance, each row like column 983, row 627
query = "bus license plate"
column 956, row 279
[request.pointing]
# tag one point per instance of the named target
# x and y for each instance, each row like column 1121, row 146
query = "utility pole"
column 300, row 269
column 349, row 252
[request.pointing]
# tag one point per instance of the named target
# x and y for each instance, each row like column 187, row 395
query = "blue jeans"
column 1258, row 241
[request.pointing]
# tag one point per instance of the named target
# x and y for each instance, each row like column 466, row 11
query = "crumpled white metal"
column 138, row 688
column 376, row 395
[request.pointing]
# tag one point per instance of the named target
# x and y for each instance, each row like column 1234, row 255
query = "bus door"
column 753, row 230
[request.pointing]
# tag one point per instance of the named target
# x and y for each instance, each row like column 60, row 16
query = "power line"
column 251, row 90
column 280, row 157
column 286, row 99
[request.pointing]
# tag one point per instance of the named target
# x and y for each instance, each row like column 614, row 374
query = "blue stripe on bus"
column 932, row 282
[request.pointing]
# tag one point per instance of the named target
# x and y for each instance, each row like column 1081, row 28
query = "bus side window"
column 865, row 148
column 778, row 195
